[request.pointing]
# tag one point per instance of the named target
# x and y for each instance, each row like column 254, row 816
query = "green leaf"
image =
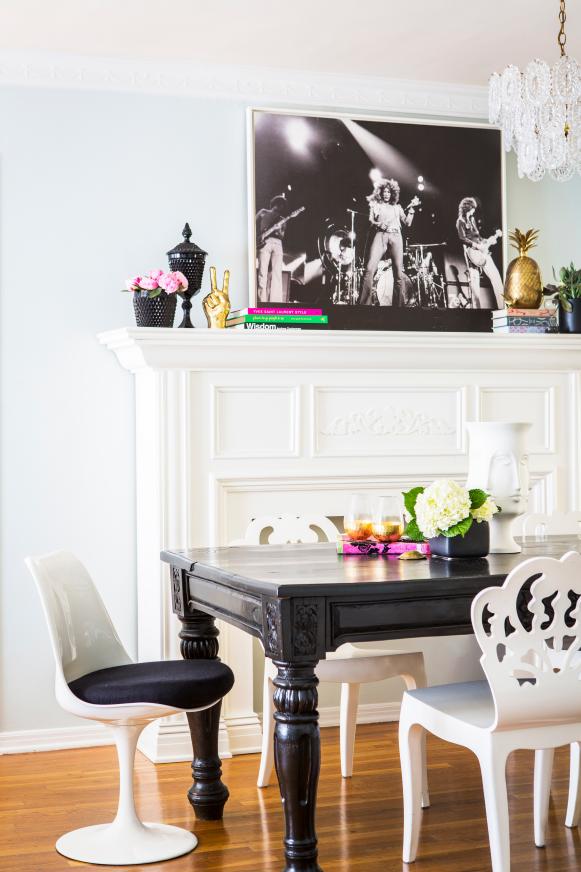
column 410, row 498
column 477, row 498
column 413, row 532
column 153, row 294
column 459, row 529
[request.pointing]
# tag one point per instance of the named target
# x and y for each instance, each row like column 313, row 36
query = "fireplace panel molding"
column 231, row 424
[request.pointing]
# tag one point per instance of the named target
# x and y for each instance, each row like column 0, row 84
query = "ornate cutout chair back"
column 529, row 631
column 289, row 529
column 82, row 636
column 538, row 525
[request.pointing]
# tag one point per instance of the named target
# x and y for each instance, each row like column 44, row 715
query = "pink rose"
column 148, row 284
column 133, row 284
column 182, row 279
column 155, row 274
column 172, row 282
column 169, row 283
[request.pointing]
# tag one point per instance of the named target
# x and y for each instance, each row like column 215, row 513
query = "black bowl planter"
column 158, row 312
column 570, row 322
column 476, row 543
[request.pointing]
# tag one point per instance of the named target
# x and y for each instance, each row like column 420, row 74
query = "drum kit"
column 342, row 257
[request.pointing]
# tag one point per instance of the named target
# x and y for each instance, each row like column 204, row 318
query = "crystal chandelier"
column 540, row 113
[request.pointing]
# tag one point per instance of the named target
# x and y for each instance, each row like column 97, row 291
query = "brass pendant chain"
column 562, row 37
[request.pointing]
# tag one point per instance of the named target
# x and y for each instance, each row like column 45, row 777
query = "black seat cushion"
column 184, row 684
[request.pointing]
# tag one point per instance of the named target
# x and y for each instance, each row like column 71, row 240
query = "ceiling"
column 459, row 41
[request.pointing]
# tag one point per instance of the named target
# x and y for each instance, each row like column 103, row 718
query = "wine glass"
column 388, row 521
column 358, row 522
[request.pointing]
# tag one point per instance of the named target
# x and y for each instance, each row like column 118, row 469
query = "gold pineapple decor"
column 523, row 287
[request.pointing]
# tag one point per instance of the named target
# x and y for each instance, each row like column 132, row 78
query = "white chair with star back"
column 350, row 666
column 96, row 679
column 529, row 631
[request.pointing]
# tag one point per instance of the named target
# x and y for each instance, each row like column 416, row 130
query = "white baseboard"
column 244, row 734
column 55, row 739
column 167, row 740
column 367, row 713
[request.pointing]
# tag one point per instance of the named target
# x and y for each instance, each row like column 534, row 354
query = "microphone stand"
column 353, row 259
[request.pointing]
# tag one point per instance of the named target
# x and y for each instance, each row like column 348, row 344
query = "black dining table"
column 302, row 601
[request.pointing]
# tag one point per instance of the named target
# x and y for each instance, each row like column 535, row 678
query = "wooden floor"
column 359, row 820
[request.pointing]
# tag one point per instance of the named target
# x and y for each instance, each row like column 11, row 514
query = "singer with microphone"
column 387, row 216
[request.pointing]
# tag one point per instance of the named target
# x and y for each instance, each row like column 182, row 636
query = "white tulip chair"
column 350, row 666
column 96, row 679
column 531, row 699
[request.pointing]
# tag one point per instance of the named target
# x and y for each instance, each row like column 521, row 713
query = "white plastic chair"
column 91, row 660
column 530, row 644
column 350, row 666
column 538, row 525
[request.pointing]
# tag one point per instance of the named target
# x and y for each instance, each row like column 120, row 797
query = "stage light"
column 421, row 187
column 375, row 175
column 420, row 178
column 298, row 133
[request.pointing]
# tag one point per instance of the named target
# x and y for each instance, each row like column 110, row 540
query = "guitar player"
column 477, row 254
column 269, row 251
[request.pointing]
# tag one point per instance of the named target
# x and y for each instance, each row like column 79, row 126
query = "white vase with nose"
column 498, row 464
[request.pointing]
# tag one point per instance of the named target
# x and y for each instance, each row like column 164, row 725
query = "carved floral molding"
column 389, row 421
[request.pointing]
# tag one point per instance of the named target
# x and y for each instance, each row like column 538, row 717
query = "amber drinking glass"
column 358, row 520
column 388, row 521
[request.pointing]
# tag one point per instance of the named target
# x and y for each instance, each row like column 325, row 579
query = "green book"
column 278, row 319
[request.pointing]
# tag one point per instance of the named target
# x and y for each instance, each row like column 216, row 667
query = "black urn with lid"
column 189, row 259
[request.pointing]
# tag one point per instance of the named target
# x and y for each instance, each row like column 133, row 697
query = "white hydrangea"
column 485, row 511
column 442, row 504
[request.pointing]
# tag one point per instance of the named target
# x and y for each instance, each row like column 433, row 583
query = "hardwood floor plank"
column 359, row 819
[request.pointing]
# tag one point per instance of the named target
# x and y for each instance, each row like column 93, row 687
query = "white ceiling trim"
column 248, row 84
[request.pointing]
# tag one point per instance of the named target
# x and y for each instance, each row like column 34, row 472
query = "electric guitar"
column 478, row 253
column 279, row 224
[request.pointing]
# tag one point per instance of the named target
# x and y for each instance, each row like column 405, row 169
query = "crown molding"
column 246, row 84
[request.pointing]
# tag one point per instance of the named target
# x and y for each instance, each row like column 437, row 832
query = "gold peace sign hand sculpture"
column 217, row 303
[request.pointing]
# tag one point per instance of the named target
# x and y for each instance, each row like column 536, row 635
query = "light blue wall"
column 93, row 187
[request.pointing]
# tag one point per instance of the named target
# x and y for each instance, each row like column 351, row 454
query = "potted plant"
column 154, row 297
column 452, row 518
column 568, row 293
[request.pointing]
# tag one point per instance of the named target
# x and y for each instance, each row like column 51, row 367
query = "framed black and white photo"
column 383, row 223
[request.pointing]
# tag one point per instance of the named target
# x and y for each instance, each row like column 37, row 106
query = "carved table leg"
column 208, row 795
column 297, row 757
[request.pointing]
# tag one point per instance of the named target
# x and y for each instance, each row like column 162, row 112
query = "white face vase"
column 498, row 463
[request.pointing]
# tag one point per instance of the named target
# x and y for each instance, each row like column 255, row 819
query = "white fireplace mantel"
column 231, row 424
column 200, row 349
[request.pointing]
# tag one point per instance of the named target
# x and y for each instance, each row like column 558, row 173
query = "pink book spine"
column 345, row 546
column 285, row 311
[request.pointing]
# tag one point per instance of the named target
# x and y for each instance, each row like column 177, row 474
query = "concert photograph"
column 379, row 223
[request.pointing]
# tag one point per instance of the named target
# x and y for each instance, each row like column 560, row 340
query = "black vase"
column 158, row 312
column 570, row 322
column 476, row 543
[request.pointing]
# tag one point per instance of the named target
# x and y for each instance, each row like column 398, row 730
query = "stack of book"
column 271, row 318
column 345, row 545
column 524, row 321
